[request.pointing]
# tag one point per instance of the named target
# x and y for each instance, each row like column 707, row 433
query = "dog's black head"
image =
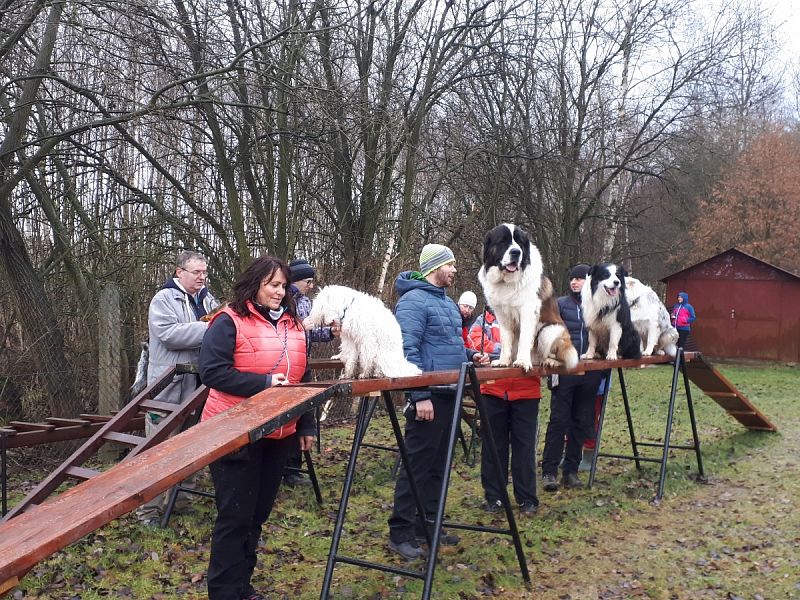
column 608, row 278
column 508, row 248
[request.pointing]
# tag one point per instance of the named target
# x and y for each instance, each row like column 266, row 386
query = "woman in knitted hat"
column 466, row 306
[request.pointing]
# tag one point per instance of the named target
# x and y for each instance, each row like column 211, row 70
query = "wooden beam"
column 362, row 387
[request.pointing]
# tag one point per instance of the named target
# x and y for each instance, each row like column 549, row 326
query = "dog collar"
column 607, row 309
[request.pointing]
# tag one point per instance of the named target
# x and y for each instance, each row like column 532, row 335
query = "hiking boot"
column 528, row 508
column 445, row 539
column 295, row 479
column 409, row 550
column 549, row 483
column 492, row 506
column 254, row 596
column 571, row 480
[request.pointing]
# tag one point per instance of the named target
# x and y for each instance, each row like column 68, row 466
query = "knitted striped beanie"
column 434, row 256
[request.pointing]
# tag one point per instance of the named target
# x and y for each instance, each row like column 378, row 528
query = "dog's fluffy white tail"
column 570, row 358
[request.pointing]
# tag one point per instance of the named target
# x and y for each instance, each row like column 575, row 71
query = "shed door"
column 750, row 326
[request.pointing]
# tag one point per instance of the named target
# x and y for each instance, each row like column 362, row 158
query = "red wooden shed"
column 746, row 307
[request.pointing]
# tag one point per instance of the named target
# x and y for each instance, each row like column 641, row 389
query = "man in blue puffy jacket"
column 431, row 326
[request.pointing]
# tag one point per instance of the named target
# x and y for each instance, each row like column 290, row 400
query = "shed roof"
column 733, row 250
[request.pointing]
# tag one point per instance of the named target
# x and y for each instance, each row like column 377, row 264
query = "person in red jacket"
column 512, row 407
column 254, row 343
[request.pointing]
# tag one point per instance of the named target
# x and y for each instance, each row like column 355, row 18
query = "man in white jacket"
column 176, row 331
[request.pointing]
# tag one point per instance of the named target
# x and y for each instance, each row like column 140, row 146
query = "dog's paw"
column 611, row 355
column 551, row 363
column 588, row 355
column 659, row 353
column 336, row 356
column 499, row 363
column 523, row 364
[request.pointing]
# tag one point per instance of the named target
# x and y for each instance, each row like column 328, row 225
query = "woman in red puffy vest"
column 252, row 344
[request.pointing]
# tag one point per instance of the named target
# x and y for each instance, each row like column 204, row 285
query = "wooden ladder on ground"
column 114, row 431
column 714, row 385
column 41, row 531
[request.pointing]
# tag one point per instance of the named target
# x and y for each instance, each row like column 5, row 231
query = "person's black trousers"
column 513, row 426
column 245, row 485
column 571, row 414
column 426, row 444
column 683, row 335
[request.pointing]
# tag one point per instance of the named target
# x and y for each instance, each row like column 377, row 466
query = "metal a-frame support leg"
column 433, row 533
column 679, row 366
column 365, row 411
column 501, row 476
column 599, row 431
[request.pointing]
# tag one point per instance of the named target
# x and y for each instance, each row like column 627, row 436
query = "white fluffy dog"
column 522, row 298
column 372, row 344
column 651, row 319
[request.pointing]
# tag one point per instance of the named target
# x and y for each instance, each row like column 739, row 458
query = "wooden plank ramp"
column 717, row 387
column 44, row 529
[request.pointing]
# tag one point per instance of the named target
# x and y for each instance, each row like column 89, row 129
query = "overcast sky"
column 787, row 16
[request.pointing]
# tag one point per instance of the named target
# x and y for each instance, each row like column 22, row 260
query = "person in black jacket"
column 573, row 396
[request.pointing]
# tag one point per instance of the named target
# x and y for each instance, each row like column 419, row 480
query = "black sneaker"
column 493, row 506
column 409, row 550
column 445, row 539
column 254, row 596
column 295, row 479
column 528, row 508
column 550, row 483
column 571, row 480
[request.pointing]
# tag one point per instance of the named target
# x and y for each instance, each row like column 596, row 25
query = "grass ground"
column 736, row 535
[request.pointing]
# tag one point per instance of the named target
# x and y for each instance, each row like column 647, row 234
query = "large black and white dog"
column 607, row 314
column 527, row 313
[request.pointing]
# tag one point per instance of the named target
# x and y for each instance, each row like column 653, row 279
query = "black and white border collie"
column 527, row 313
column 607, row 314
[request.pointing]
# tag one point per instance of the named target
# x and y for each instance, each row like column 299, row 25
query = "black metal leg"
column 173, row 497
column 318, row 415
column 668, row 431
column 489, row 443
column 598, row 435
column 401, row 446
column 455, row 428
column 634, row 445
column 312, row 474
column 690, row 404
column 361, row 426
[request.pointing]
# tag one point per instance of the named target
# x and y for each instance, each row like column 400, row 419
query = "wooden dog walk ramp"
column 43, row 530
column 714, row 385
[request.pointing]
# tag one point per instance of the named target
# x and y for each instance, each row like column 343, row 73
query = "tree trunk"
column 43, row 336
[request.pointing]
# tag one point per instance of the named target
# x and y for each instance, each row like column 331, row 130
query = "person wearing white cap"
column 430, row 323
column 466, row 306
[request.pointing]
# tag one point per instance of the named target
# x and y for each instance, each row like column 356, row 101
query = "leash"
column 344, row 312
